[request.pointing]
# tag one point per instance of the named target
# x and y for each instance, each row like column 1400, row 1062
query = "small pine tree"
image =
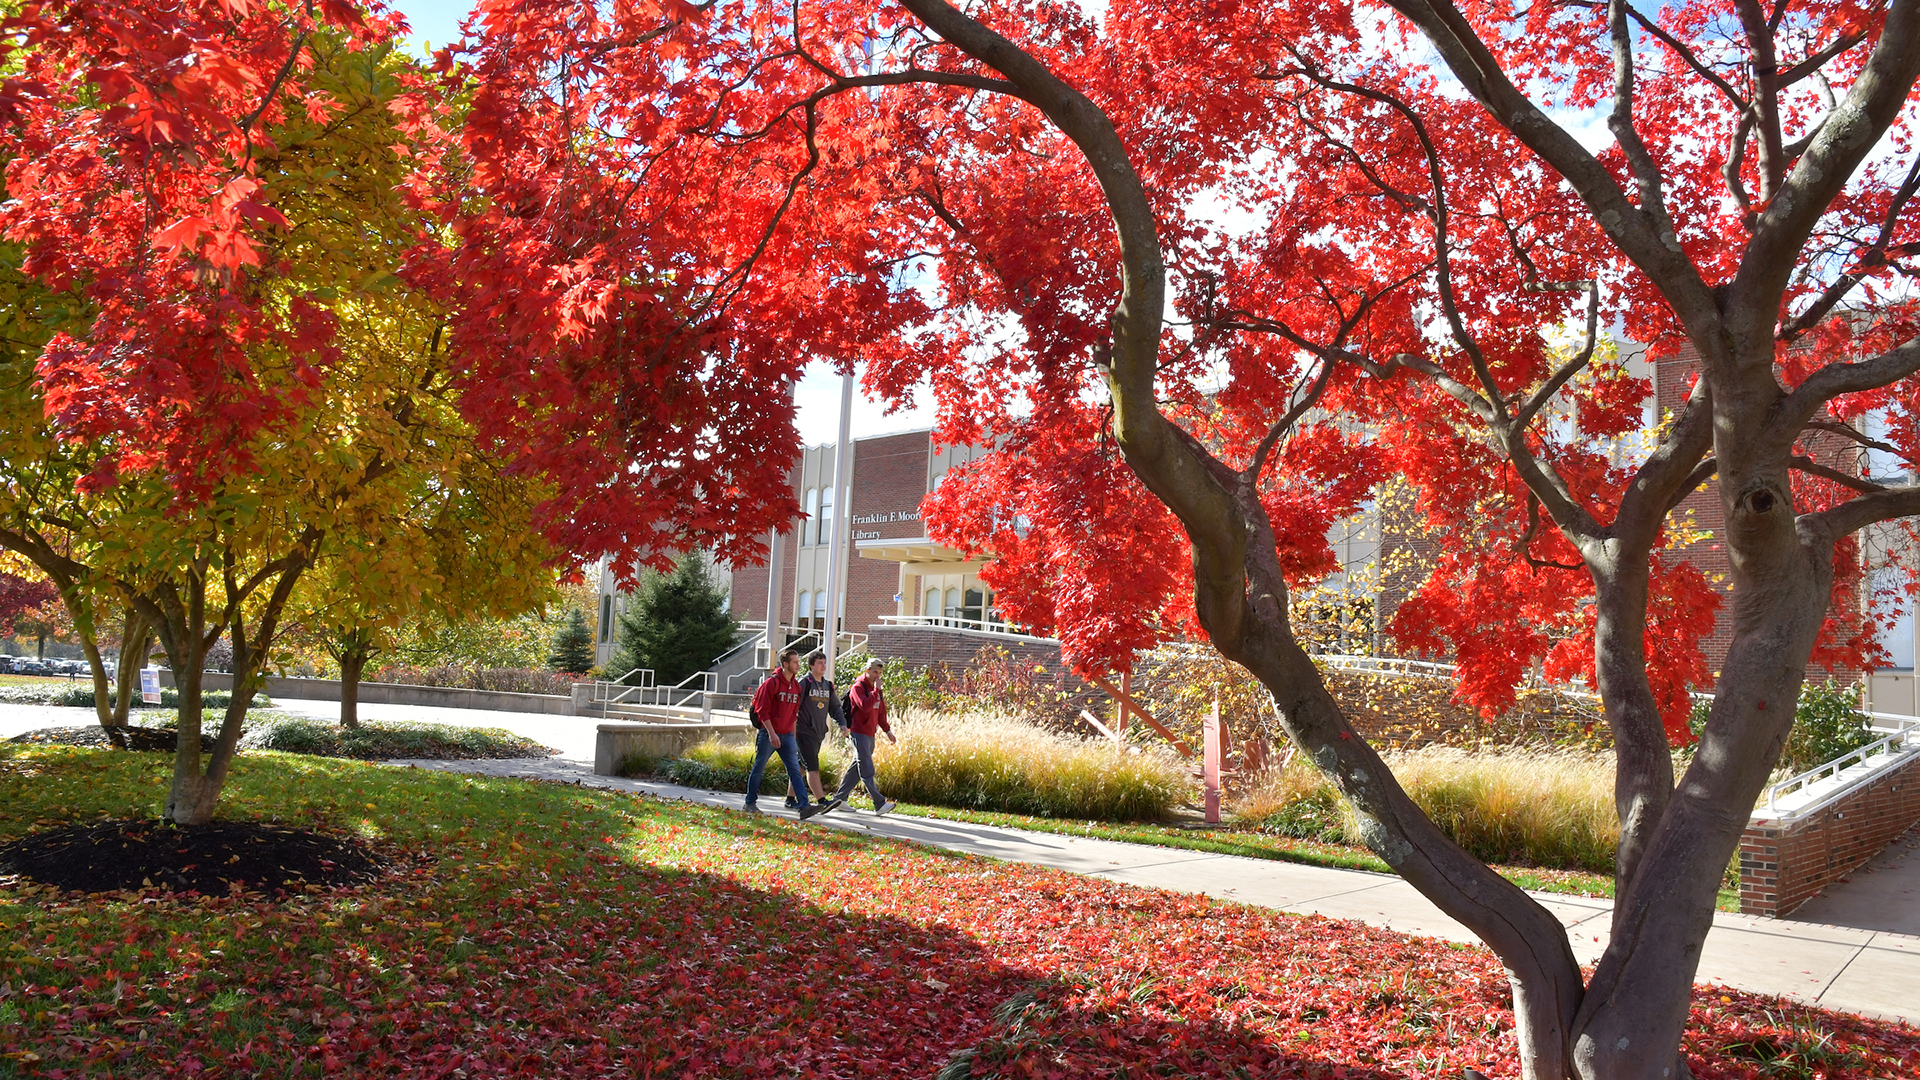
column 676, row 625
column 572, row 645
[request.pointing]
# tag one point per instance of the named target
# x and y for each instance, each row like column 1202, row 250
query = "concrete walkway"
column 1865, row 958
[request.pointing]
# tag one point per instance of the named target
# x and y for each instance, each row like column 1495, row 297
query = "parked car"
column 30, row 666
column 6, row 665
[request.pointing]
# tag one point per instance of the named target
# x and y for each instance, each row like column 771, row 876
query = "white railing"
column 1893, row 747
column 644, row 691
column 951, row 622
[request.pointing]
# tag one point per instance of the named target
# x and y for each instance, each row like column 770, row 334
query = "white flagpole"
column 842, row 519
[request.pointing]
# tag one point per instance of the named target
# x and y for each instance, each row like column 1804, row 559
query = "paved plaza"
column 1855, row 948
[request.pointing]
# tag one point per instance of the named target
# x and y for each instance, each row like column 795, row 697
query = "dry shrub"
column 1527, row 807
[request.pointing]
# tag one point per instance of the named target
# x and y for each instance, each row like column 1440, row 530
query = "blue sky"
column 434, row 22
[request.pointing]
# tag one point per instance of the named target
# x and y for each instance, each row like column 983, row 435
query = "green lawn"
column 551, row 930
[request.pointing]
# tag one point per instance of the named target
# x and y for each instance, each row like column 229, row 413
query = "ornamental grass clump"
column 980, row 761
column 1525, row 807
column 975, row 761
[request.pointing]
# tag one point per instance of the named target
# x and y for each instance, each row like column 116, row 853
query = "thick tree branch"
column 1853, row 129
column 1842, row 377
column 1646, row 171
column 1856, row 514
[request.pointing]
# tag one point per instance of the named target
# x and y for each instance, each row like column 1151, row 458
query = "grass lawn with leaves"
column 551, row 930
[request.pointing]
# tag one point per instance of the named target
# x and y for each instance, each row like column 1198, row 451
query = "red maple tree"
column 1205, row 274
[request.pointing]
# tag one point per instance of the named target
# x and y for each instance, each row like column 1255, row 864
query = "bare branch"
column 1539, row 398
column 1533, row 532
column 1805, row 464
column 1687, row 56
column 1871, row 259
column 1299, row 409
column 1854, row 129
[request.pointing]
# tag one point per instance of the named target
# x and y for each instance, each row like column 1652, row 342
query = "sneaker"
column 834, row 803
column 751, row 808
column 886, row 807
column 811, row 810
column 792, row 802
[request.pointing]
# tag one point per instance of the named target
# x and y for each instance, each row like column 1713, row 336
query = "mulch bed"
column 138, row 738
column 218, row 858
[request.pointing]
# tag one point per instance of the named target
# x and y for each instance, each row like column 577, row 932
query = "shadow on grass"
column 547, row 930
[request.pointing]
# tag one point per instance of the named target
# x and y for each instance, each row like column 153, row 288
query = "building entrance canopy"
column 919, row 556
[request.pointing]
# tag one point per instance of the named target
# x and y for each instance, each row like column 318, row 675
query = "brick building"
column 892, row 569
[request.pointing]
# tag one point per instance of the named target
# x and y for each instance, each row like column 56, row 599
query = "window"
column 820, row 610
column 1879, row 464
column 932, row 606
column 1890, row 595
column 803, row 609
column 606, row 617
column 810, row 528
column 952, row 608
column 976, row 609
column 825, row 533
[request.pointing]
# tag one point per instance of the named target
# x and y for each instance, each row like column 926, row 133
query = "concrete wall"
column 1783, row 867
column 372, row 693
column 616, row 741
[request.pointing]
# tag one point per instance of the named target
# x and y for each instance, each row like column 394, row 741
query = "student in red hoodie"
column 866, row 717
column 775, row 711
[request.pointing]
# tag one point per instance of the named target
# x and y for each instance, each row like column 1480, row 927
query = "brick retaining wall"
column 1784, row 866
column 924, row 646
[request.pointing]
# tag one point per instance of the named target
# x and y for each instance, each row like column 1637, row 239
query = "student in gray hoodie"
column 819, row 705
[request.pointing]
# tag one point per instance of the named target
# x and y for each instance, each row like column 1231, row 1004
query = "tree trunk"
column 114, row 726
column 135, row 646
column 353, row 661
column 192, row 798
column 1637, row 1005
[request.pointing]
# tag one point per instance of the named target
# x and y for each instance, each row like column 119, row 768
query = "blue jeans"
column 863, row 772
column 789, row 751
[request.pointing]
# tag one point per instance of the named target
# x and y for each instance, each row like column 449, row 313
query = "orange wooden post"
column 1210, row 763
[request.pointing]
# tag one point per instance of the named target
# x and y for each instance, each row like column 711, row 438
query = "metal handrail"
column 1832, row 768
column 952, row 622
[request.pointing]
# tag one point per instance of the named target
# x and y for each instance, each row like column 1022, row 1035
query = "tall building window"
column 952, row 608
column 606, row 617
column 803, row 609
column 932, row 605
column 810, row 528
column 820, row 609
column 825, row 533
column 1890, row 590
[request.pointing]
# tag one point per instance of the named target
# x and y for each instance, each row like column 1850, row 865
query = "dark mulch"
column 138, row 738
column 209, row 859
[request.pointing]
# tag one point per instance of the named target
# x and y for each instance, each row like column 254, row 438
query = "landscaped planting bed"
column 556, row 931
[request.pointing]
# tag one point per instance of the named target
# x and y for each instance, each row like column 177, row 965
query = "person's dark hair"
column 784, row 653
column 817, row 655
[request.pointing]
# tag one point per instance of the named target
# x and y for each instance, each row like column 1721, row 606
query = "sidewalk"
column 1859, row 968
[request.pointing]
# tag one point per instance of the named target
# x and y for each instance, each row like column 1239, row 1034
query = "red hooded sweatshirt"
column 869, row 708
column 777, row 702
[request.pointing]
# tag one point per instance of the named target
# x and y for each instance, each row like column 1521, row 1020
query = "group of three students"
column 790, row 714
